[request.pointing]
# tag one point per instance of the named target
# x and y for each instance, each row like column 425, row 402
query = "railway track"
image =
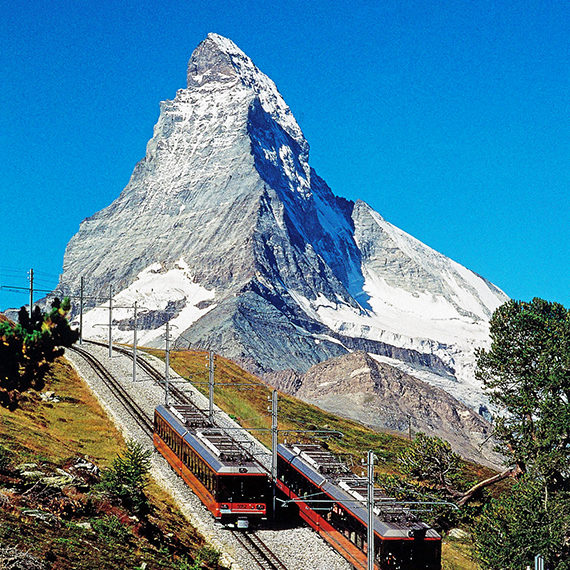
column 157, row 376
column 259, row 551
column 251, row 542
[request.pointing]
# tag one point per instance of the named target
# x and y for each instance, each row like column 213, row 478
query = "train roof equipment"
column 333, row 477
column 223, row 453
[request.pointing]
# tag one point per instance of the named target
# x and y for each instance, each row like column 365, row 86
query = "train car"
column 332, row 500
column 226, row 478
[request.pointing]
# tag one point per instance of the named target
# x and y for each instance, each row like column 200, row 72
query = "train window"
column 239, row 489
column 224, row 491
column 405, row 554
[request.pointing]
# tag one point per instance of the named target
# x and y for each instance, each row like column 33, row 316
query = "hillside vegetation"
column 52, row 514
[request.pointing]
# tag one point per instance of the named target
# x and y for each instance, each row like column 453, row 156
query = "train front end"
column 242, row 498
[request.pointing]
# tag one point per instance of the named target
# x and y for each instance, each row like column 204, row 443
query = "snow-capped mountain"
column 225, row 230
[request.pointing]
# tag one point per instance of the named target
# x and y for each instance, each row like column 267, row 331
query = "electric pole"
column 274, row 433
column 31, row 292
column 211, row 387
column 81, row 285
column 135, row 343
column 370, row 505
column 110, row 321
column 167, row 369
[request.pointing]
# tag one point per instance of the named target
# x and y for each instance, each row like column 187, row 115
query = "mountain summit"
column 226, row 231
column 217, row 60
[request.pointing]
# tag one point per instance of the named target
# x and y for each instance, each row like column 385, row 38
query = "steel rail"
column 263, row 556
column 157, row 376
column 181, row 396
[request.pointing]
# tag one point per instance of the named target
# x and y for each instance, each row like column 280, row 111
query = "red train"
column 230, row 483
column 332, row 500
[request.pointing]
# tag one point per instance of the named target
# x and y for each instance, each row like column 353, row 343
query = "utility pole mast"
column 167, row 369
column 31, row 292
column 110, row 321
column 81, row 285
column 211, row 387
column 370, row 505
column 135, row 343
column 274, row 433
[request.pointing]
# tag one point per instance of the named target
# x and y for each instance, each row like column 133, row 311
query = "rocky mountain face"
column 225, row 231
column 358, row 386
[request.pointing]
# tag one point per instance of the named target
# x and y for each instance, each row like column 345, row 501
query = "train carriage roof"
column 391, row 520
column 219, row 450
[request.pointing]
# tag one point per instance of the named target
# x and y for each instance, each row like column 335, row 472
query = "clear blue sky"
column 450, row 118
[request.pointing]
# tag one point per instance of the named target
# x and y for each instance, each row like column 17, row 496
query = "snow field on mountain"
column 394, row 328
column 472, row 293
column 153, row 290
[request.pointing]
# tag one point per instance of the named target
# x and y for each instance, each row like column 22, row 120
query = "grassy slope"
column 249, row 406
column 51, row 434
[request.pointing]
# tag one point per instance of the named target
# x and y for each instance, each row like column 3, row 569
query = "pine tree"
column 527, row 371
column 513, row 529
column 28, row 348
column 128, row 477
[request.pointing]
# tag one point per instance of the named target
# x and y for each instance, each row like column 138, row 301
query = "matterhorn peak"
column 225, row 231
column 217, row 59
column 218, row 62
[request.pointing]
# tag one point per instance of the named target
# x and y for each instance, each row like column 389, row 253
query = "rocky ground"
column 381, row 396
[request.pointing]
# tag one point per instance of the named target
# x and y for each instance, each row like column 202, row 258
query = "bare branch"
column 468, row 495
